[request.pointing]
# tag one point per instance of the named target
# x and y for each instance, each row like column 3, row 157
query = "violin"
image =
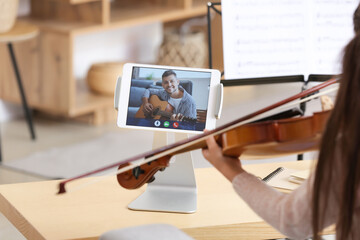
column 241, row 137
column 252, row 141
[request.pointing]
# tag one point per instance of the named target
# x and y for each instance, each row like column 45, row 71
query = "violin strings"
column 162, row 154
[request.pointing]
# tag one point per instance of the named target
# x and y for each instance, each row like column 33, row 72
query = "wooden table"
column 38, row 213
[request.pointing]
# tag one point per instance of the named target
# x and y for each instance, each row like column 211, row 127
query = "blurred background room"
column 69, row 54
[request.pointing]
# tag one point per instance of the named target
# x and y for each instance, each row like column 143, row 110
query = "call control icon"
column 157, row 123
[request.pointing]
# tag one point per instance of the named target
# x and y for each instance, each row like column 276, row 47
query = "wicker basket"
column 8, row 14
column 188, row 50
column 102, row 77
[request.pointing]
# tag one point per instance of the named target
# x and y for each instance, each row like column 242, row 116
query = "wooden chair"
column 21, row 31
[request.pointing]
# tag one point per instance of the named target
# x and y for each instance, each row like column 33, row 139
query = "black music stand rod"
column 210, row 6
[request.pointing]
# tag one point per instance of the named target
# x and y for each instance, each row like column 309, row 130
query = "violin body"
column 275, row 138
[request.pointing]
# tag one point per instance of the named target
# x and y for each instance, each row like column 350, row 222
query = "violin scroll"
column 138, row 176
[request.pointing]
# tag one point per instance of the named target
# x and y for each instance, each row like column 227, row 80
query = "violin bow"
column 166, row 150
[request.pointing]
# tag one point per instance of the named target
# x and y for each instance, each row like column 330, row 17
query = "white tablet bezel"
column 124, row 91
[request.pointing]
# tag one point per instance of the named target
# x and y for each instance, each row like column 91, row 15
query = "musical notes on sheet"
column 331, row 30
column 285, row 37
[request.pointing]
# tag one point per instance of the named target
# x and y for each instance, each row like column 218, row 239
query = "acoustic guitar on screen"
column 161, row 110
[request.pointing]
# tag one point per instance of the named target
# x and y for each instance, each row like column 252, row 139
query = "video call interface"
column 168, row 99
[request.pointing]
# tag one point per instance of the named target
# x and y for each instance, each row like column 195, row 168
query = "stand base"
column 174, row 190
column 166, row 199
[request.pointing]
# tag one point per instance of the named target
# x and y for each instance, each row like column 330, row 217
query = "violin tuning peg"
column 137, row 171
column 151, row 179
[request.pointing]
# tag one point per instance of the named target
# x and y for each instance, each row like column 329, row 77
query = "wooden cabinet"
column 46, row 63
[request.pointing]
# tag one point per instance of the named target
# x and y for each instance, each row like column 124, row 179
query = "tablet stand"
column 174, row 189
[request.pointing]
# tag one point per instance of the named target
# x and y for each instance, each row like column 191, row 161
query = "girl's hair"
column 339, row 151
column 356, row 19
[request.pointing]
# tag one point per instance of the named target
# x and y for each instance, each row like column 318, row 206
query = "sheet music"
column 284, row 37
column 331, row 29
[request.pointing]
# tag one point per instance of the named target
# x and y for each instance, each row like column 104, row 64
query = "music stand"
column 213, row 6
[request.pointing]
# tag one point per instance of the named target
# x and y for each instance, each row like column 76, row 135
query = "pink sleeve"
column 288, row 213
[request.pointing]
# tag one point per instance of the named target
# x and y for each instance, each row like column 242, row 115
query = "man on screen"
column 181, row 101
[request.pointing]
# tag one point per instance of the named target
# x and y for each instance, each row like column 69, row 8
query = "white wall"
column 136, row 44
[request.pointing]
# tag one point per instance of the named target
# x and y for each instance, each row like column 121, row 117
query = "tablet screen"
column 168, row 98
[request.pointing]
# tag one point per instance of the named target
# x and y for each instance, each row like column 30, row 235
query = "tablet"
column 166, row 98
